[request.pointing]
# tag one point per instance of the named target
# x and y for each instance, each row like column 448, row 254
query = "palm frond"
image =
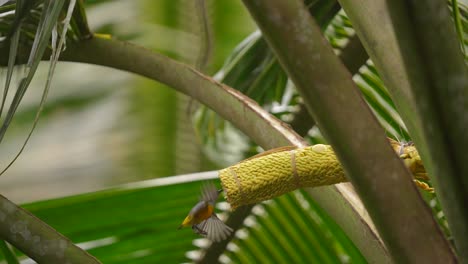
column 8, row 253
column 291, row 228
column 131, row 223
column 46, row 29
column 455, row 8
column 11, row 59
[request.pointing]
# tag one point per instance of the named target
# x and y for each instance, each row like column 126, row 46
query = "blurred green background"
column 103, row 127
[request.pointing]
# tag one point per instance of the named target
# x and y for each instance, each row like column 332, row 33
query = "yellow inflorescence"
column 410, row 156
column 265, row 177
column 268, row 176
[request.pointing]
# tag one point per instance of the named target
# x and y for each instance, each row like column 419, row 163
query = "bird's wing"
column 215, row 229
column 209, row 193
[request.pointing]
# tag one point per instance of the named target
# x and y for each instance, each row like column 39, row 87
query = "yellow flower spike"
column 278, row 171
column 268, row 176
column 410, row 155
column 424, row 186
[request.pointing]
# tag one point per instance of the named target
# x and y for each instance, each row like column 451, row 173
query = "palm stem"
column 381, row 180
column 435, row 65
column 36, row 239
column 420, row 61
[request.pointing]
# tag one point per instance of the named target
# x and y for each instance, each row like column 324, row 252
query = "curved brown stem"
column 37, row 239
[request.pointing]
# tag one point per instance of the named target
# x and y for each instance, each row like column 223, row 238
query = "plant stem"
column 381, row 180
column 436, row 68
column 353, row 57
column 36, row 239
column 79, row 19
column 420, row 61
column 226, row 101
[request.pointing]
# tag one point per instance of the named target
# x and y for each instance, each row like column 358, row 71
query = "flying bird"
column 203, row 218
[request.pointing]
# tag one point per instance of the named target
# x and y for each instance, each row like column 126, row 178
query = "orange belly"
column 203, row 214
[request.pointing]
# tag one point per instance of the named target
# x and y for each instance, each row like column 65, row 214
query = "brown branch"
column 334, row 101
column 36, row 239
column 353, row 57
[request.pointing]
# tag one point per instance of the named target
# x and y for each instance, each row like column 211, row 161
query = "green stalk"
column 421, row 64
column 381, row 180
column 435, row 64
column 370, row 18
column 353, row 57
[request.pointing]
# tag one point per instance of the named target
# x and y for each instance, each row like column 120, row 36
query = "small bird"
column 203, row 219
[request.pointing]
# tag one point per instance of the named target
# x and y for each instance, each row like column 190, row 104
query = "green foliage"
column 46, row 29
column 135, row 223
column 292, row 228
column 8, row 254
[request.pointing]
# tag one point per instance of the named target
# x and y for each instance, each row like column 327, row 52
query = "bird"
column 203, row 218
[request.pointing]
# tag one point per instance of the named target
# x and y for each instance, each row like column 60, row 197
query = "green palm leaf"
column 46, row 28
column 133, row 223
column 292, row 228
